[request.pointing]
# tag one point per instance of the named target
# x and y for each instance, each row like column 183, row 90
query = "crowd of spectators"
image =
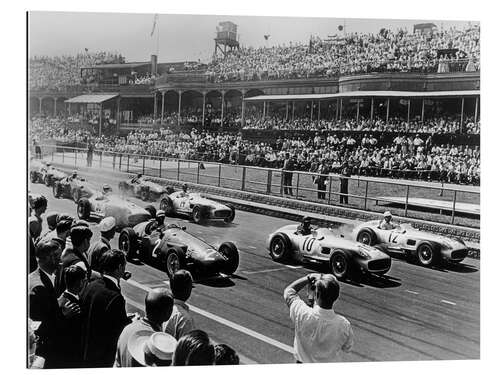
column 61, row 71
column 77, row 313
column 387, row 51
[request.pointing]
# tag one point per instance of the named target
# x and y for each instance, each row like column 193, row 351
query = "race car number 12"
column 308, row 244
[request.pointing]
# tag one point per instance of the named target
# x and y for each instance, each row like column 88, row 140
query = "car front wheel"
column 427, row 255
column 230, row 252
column 340, row 265
column 174, row 261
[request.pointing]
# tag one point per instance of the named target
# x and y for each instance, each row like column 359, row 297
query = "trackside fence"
column 434, row 202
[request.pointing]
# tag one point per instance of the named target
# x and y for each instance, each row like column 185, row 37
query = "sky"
column 182, row 37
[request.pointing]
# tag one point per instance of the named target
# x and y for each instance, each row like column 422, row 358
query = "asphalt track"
column 413, row 314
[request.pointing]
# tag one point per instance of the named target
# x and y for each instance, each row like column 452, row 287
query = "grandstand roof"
column 118, row 66
column 364, row 94
column 91, row 98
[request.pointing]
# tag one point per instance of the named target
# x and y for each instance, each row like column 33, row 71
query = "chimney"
column 154, row 64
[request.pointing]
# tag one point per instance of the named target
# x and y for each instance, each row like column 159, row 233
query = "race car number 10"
column 308, row 244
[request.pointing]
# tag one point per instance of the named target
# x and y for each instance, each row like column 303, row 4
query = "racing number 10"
column 308, row 244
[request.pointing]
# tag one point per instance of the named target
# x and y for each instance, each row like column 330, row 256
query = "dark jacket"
column 70, row 339
column 95, row 252
column 43, row 307
column 104, row 317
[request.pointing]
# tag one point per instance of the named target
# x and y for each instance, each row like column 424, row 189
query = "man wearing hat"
column 305, row 227
column 151, row 350
column 385, row 223
column 158, row 306
column 39, row 206
column 61, row 231
column 107, row 227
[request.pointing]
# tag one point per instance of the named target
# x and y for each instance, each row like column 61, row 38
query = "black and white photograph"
column 237, row 189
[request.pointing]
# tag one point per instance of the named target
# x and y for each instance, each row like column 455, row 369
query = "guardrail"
column 441, row 204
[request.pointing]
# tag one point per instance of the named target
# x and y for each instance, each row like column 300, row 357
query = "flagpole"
column 158, row 39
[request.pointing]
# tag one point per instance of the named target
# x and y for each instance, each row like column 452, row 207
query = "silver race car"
column 197, row 207
column 427, row 248
column 345, row 258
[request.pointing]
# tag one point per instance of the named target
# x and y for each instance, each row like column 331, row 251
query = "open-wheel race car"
column 37, row 169
column 197, row 207
column 173, row 248
column 426, row 248
column 72, row 188
column 99, row 205
column 345, row 258
column 51, row 175
column 141, row 187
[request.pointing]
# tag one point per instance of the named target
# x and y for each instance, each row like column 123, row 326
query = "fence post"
column 269, row 180
column 75, row 156
column 281, row 183
column 114, row 161
column 243, row 176
column 100, row 159
column 366, row 193
column 143, row 164
column 454, row 203
column 297, row 186
column 52, row 155
column 220, row 171
column 178, row 169
column 128, row 163
column 329, row 188
column 406, row 200
column 159, row 171
column 63, row 155
column 120, row 163
column 198, row 172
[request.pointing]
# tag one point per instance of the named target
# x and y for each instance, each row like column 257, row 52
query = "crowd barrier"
column 365, row 193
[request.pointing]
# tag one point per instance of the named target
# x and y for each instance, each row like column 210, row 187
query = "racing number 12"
column 308, row 244
column 393, row 237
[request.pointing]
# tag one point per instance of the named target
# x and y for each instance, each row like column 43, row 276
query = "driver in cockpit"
column 184, row 193
column 386, row 223
column 305, row 227
column 137, row 178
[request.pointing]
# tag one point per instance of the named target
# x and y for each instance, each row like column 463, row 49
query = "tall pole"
column 337, row 110
column 55, row 106
column 264, row 110
column 462, row 116
column 340, row 114
column 293, row 110
column 100, row 120
column 387, row 110
column 203, row 111
column 118, row 120
column 423, row 109
column 243, row 107
column 162, row 105
column 286, row 116
column 319, row 109
column 40, row 99
column 155, row 109
column 408, row 115
column 476, row 109
column 179, row 109
column 222, row 108
column 357, row 112
column 371, row 111
column 312, row 105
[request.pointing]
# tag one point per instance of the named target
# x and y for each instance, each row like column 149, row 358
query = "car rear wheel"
column 427, row 255
column 167, row 205
column 56, row 190
column 196, row 215
column 366, row 236
column 174, row 261
column 83, row 209
column 230, row 252
column 280, row 247
column 340, row 265
column 230, row 218
column 127, row 242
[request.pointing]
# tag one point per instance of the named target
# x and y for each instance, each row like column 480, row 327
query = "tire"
column 174, row 260
column 76, row 195
column 145, row 195
column 56, row 190
column 127, row 242
column 196, row 215
column 366, row 236
column 233, row 214
column 280, row 247
column 427, row 255
column 47, row 180
column 33, row 177
column 341, row 265
column 167, row 205
column 83, row 209
column 230, row 252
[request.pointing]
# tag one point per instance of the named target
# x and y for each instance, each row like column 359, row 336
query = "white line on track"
column 244, row 360
column 293, row 267
column 412, row 292
column 263, row 271
column 448, row 302
column 252, row 247
column 228, row 323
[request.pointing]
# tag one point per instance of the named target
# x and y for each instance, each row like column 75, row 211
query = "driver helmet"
column 139, row 175
column 387, row 214
column 74, row 174
column 306, row 220
column 106, row 188
column 184, row 187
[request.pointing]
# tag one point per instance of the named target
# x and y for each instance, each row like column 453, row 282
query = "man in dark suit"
column 103, row 312
column 287, row 174
column 321, row 179
column 344, row 182
column 70, row 340
column 42, row 304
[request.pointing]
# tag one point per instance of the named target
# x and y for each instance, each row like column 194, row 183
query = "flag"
column 266, row 37
column 154, row 24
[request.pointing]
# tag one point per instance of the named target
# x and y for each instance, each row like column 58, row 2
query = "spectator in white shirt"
column 180, row 322
column 320, row 333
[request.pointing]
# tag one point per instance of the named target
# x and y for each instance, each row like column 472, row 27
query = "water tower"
column 226, row 39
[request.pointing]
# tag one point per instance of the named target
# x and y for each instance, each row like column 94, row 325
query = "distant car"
column 143, row 188
column 73, row 188
column 427, row 248
column 346, row 258
column 175, row 249
column 51, row 175
column 126, row 214
column 197, row 207
column 37, row 169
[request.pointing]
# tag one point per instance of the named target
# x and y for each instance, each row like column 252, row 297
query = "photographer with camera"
column 320, row 333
